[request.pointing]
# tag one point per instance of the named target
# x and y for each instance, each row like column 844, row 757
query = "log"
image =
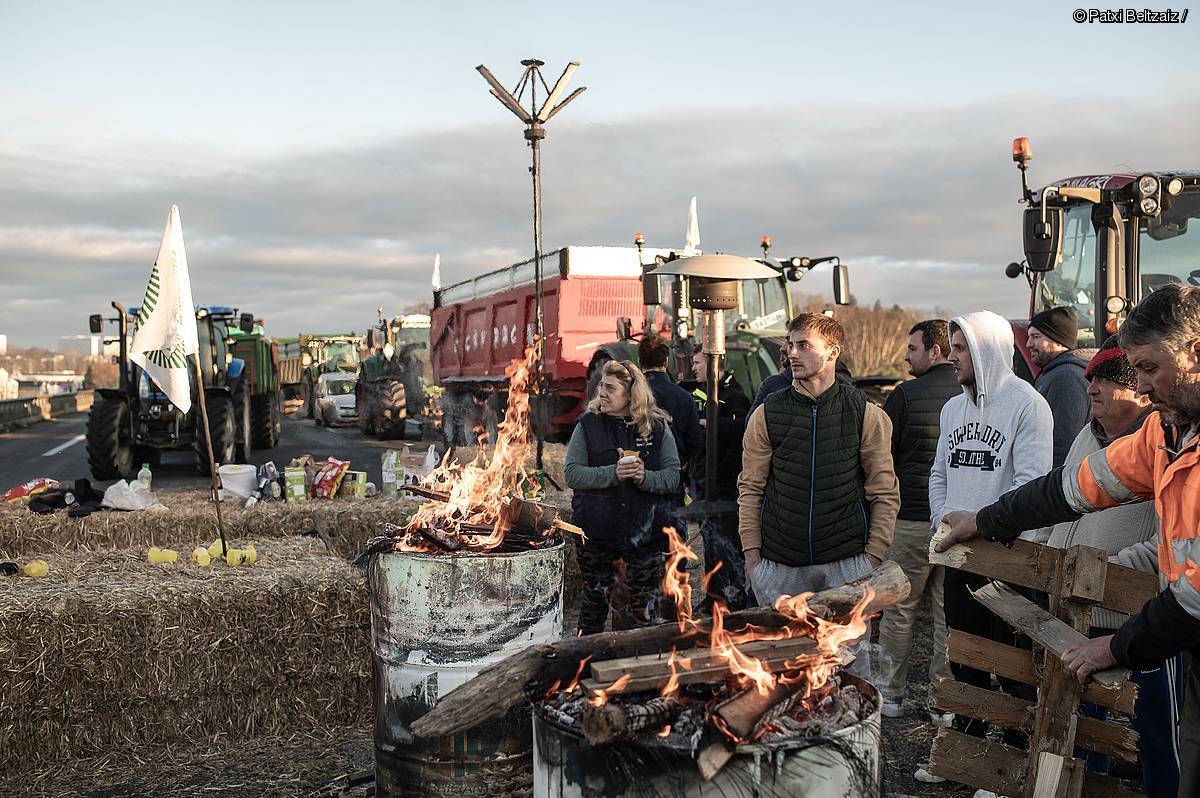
column 528, row 674
column 651, row 671
column 417, row 490
column 443, row 539
column 1018, row 665
column 606, row 724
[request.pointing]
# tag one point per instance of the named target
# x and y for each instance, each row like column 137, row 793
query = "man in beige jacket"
column 817, row 496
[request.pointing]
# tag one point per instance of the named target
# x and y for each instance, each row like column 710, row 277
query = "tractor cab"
column 1099, row 243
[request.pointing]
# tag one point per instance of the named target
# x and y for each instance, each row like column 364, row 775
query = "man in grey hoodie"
column 996, row 435
column 1053, row 335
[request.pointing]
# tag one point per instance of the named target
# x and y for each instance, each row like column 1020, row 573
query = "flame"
column 600, row 697
column 748, row 671
column 675, row 662
column 476, row 491
column 665, row 731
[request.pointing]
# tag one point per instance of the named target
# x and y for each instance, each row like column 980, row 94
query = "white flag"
column 691, row 241
column 437, row 272
column 166, row 322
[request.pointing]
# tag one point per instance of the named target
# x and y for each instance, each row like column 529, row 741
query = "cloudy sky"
column 321, row 153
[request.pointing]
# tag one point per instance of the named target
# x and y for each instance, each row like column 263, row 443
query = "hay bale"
column 191, row 519
column 110, row 654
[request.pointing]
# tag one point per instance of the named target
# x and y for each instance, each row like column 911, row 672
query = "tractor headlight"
column 1149, row 206
column 156, row 411
column 228, row 358
column 1148, row 185
column 1175, row 187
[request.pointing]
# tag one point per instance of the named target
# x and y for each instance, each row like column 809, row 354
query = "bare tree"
column 876, row 336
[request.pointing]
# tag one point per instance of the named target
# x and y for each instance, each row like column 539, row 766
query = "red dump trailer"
column 480, row 325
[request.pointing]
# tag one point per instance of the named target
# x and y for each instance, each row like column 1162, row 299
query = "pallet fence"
column 1076, row 580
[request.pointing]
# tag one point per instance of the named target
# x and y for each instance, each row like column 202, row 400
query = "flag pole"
column 215, row 488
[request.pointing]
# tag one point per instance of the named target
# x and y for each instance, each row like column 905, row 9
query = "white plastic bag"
column 122, row 495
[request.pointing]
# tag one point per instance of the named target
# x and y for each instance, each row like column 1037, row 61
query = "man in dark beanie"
column 1052, row 336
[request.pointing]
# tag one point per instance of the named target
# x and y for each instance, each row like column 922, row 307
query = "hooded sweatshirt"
column 995, row 438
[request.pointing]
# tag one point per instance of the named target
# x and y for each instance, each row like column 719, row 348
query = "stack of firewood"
column 523, row 523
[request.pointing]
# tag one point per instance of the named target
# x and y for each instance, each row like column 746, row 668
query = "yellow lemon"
column 36, row 568
column 200, row 556
column 157, row 555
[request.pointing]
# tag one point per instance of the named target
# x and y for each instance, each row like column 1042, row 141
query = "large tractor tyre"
column 222, row 426
column 108, row 455
column 264, row 411
column 310, row 398
column 243, row 423
column 414, row 394
column 393, row 409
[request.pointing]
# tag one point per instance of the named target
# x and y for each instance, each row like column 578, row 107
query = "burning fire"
column 478, row 492
column 600, row 697
column 814, row 671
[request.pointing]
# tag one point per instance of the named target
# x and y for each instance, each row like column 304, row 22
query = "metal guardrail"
column 40, row 408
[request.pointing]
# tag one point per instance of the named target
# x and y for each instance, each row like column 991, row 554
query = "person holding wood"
column 996, row 434
column 817, row 496
column 1160, row 462
column 623, row 467
column 914, row 408
column 1128, row 534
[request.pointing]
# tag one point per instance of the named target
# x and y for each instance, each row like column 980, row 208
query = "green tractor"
column 325, row 354
column 135, row 422
column 261, row 381
column 755, row 332
column 390, row 394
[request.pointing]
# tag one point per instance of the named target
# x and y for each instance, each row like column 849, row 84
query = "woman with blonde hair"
column 623, row 467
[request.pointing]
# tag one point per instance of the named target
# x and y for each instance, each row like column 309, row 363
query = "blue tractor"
column 135, row 422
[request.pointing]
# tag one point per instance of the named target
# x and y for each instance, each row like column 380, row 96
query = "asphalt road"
column 56, row 449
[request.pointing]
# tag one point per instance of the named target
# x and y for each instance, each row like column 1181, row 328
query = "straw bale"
column 191, row 520
column 110, row 654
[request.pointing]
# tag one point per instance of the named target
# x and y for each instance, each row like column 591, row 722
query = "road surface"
column 57, row 449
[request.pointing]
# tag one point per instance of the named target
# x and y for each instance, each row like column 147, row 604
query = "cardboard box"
column 294, row 489
column 354, row 485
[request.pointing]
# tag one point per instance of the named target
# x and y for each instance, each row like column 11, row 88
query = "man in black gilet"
column 817, row 496
column 915, row 408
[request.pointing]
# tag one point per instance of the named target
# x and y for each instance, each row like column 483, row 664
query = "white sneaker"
column 923, row 775
column 986, row 794
column 942, row 720
column 892, row 709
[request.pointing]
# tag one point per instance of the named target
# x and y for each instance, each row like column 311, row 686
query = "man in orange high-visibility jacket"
column 1159, row 463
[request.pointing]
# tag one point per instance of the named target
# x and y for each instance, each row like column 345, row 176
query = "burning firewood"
column 529, row 673
column 654, row 671
column 608, row 723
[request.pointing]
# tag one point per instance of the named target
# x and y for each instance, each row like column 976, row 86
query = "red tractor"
column 1099, row 243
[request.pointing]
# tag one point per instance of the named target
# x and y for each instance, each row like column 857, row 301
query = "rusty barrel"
column 436, row 621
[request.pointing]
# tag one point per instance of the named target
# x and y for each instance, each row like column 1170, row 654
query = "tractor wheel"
column 393, row 409
column 108, row 455
column 265, row 421
column 310, row 398
column 414, row 394
column 243, row 423
column 222, row 426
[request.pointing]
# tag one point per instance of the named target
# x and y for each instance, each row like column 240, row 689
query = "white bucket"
column 238, row 481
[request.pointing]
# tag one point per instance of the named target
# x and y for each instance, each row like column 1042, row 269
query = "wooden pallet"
column 1076, row 580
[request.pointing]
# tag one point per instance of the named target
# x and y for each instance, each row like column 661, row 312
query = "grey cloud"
column 921, row 203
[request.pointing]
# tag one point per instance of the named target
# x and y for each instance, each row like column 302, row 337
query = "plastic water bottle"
column 144, row 476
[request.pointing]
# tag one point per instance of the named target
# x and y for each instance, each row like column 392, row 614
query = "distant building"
column 9, row 388
column 3, row 344
column 86, row 345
